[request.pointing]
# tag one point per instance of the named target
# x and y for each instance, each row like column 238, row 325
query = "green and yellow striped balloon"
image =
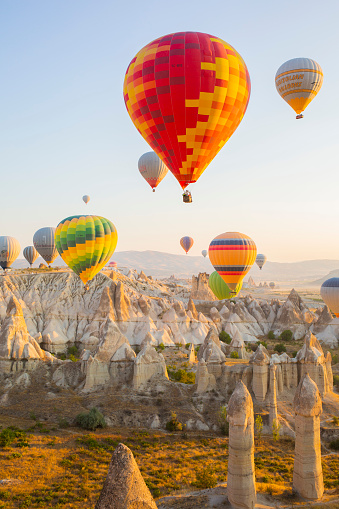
column 86, row 243
column 220, row 289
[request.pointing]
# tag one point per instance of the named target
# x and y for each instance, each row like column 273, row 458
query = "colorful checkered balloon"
column 186, row 93
column 86, row 243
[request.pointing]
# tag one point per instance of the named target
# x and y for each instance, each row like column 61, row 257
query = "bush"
column 72, row 350
column 259, row 425
column 187, row 346
column 225, row 337
column 161, row 346
column 335, row 359
column 234, row 355
column 182, row 376
column 263, row 343
column 223, row 422
column 205, row 478
column 91, row 420
column 12, row 434
column 280, row 347
column 286, row 335
column 294, row 354
column 276, row 427
column 173, row 424
column 335, row 444
column 271, row 335
column 336, row 380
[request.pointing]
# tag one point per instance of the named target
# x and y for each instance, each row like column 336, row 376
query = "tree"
column 271, row 335
column 259, row 425
column 276, row 427
column 286, row 335
column 280, row 347
column 225, row 337
column 222, row 421
column 234, row 355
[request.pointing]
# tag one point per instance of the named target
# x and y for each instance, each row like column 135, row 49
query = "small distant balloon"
column 186, row 243
column 329, row 292
column 298, row 81
column 9, row 251
column 31, row 254
column 204, row 253
column 272, row 285
column 86, row 198
column 113, row 265
column 152, row 169
column 44, row 243
column 260, row 260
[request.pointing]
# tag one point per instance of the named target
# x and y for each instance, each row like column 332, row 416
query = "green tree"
column 173, row 424
column 91, row 420
column 225, row 337
column 286, row 335
column 259, row 425
column 222, row 421
column 276, row 427
column 280, row 347
column 271, row 335
column 234, row 355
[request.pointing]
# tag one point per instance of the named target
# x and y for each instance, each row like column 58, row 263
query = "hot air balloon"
column 31, row 254
column 272, row 285
column 260, row 260
column 43, row 241
column 232, row 254
column 152, row 169
column 9, row 251
column 329, row 292
column 113, row 265
column 86, row 198
column 204, row 253
column 220, row 289
column 86, row 243
column 298, row 81
column 186, row 243
column 186, row 93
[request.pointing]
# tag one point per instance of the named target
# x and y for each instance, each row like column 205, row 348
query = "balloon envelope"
column 9, row 251
column 204, row 253
column 272, row 285
column 260, row 260
column 186, row 243
column 31, row 254
column 44, row 243
column 86, row 198
column 186, row 94
column 152, row 168
column 329, row 292
column 298, row 81
column 220, row 289
column 86, row 243
column 232, row 254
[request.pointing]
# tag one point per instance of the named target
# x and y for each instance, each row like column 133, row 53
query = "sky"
column 65, row 131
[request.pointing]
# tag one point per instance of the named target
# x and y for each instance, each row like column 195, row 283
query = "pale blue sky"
column 65, row 132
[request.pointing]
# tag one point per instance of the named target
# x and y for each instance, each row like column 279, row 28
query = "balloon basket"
column 187, row 199
column 299, row 116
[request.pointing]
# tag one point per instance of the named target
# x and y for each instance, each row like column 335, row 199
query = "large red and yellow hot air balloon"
column 232, row 254
column 186, row 93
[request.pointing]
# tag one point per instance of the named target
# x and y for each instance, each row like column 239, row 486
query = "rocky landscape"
column 132, row 336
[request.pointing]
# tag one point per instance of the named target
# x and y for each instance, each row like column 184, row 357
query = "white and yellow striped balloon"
column 9, row 251
column 298, row 81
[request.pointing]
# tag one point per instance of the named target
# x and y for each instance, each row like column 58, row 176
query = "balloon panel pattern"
column 31, row 254
column 43, row 241
column 329, row 292
column 186, row 93
column 86, row 243
column 9, row 251
column 152, row 168
column 298, row 81
column 220, row 289
column 186, row 243
column 232, row 254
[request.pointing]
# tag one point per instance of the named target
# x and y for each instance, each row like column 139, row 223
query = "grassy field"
column 66, row 468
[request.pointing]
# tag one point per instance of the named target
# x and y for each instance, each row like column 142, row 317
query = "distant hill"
column 318, row 282
column 160, row 265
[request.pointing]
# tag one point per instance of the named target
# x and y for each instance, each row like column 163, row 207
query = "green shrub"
column 173, row 424
column 205, row 478
column 197, row 348
column 12, row 435
column 263, row 343
column 286, row 335
column 223, row 422
column 182, row 376
column 73, row 350
column 187, row 345
column 91, row 420
column 234, row 355
column 294, row 354
column 259, row 425
column 335, row 420
column 271, row 335
column 335, row 359
column 161, row 346
column 336, row 380
column 335, row 444
column 280, row 347
column 225, row 337
column 276, row 427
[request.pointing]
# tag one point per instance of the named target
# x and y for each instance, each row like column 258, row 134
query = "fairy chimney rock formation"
column 273, row 414
column 311, row 360
column 241, row 490
column 260, row 360
column 147, row 364
column 191, row 307
column 200, row 289
column 307, row 474
column 237, row 345
column 191, row 354
column 203, row 379
column 124, row 487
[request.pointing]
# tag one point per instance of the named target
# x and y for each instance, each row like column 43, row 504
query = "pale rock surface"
column 204, row 380
column 191, row 355
column 191, row 307
column 311, row 360
column 294, row 315
column 241, row 489
column 273, row 412
column 124, row 487
column 212, row 354
column 148, row 364
column 307, row 474
column 237, row 345
column 200, row 289
column 260, row 361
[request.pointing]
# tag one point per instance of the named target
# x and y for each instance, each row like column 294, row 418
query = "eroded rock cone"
column 124, row 487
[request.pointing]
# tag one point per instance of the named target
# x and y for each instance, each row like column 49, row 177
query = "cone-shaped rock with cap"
column 241, row 477
column 307, row 474
column 124, row 487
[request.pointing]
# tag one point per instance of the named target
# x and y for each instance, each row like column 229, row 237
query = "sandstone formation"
column 307, row 474
column 273, row 408
column 200, row 289
column 124, row 487
column 293, row 315
column 241, row 490
column 237, row 345
column 260, row 360
column 191, row 354
column 148, row 364
column 311, row 360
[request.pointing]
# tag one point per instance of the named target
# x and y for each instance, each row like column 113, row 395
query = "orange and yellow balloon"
column 186, row 93
column 232, row 254
column 86, row 243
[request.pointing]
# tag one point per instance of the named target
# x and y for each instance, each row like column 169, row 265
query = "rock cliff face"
column 200, row 289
